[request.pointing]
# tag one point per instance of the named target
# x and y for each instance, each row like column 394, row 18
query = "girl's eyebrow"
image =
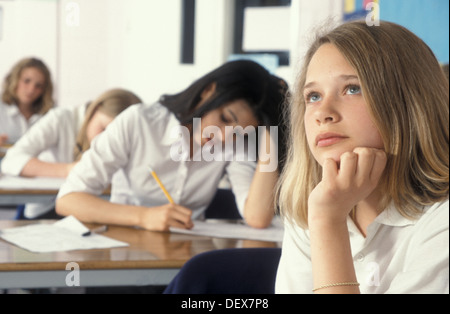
column 341, row 78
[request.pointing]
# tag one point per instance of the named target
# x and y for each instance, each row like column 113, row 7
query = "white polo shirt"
column 143, row 137
column 54, row 134
column 398, row 256
column 13, row 123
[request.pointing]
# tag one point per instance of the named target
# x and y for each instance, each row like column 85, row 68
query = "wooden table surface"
column 147, row 250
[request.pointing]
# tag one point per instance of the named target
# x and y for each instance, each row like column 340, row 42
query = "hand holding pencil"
column 166, row 193
column 161, row 218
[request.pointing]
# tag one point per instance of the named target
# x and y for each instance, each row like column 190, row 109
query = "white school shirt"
column 398, row 256
column 51, row 139
column 54, row 134
column 13, row 123
column 140, row 137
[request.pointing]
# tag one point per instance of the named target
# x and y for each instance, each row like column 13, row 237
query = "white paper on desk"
column 64, row 235
column 228, row 230
column 20, row 183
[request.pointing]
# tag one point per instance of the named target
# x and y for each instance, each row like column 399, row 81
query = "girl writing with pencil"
column 365, row 187
column 56, row 143
column 26, row 97
column 240, row 93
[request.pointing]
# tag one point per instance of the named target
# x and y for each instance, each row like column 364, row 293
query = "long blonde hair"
column 408, row 97
column 111, row 103
column 44, row 103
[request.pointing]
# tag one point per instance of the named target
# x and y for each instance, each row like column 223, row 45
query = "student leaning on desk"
column 55, row 144
column 26, row 97
column 240, row 93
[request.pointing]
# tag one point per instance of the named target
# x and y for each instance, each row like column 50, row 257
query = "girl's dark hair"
column 243, row 79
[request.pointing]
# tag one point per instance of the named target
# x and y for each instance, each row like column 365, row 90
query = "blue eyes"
column 353, row 90
column 313, row 97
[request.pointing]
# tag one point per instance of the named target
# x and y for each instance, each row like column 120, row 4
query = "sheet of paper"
column 64, row 235
column 228, row 230
column 19, row 183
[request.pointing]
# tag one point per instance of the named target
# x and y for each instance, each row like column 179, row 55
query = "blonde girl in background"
column 64, row 135
column 365, row 189
column 26, row 97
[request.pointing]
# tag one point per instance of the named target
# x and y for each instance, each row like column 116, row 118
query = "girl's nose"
column 326, row 112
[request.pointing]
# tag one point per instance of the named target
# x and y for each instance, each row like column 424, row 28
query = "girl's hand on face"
column 161, row 218
column 344, row 186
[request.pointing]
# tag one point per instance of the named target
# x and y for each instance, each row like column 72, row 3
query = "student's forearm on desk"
column 92, row 209
column 38, row 168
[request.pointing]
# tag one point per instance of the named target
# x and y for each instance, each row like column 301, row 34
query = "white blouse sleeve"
column 109, row 152
column 42, row 136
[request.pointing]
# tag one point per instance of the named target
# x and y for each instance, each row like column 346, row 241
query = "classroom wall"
column 135, row 44
column 94, row 45
column 83, row 50
column 29, row 29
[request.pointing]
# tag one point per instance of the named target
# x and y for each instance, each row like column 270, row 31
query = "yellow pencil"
column 161, row 185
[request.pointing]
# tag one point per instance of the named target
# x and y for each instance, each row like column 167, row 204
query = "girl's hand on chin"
column 344, row 186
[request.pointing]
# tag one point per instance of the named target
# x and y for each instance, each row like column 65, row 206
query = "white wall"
column 29, row 29
column 135, row 44
column 150, row 47
column 83, row 51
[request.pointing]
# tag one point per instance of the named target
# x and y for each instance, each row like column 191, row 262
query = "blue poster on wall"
column 428, row 19
column 357, row 9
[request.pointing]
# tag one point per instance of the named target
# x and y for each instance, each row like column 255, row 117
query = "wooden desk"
column 152, row 258
column 16, row 197
column 18, row 190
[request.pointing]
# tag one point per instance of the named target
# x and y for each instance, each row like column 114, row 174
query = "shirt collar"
column 173, row 131
column 392, row 217
column 13, row 111
column 389, row 217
